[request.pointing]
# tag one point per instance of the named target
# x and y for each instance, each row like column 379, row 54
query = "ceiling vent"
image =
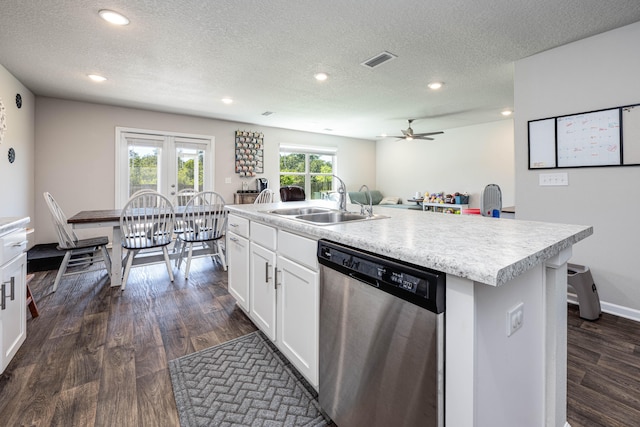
column 378, row 60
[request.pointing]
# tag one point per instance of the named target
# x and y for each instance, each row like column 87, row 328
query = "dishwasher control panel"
column 419, row 285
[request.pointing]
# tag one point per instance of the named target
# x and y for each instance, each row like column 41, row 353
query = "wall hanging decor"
column 11, row 155
column 249, row 153
column 3, row 120
column 18, row 100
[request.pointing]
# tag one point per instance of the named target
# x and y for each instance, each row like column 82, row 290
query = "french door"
column 160, row 161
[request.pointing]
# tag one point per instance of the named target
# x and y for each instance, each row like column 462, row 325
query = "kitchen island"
column 493, row 375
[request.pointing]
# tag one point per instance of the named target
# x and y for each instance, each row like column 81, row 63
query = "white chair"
column 265, row 196
column 205, row 221
column 79, row 252
column 182, row 197
column 146, row 222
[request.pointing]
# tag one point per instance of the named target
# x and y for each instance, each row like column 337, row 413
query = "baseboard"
column 607, row 307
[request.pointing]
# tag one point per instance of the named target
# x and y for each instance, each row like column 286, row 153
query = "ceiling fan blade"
column 405, row 133
column 425, row 138
column 428, row 133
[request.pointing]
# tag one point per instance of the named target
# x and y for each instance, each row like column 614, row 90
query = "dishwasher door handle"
column 366, row 282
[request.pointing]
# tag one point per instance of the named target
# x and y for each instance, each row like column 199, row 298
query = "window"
column 308, row 167
column 160, row 161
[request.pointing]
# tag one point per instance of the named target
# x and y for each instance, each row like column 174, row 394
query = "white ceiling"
column 183, row 56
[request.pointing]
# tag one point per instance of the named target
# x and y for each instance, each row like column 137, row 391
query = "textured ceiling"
column 183, row 56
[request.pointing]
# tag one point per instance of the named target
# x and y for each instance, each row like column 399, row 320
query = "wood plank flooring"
column 98, row 357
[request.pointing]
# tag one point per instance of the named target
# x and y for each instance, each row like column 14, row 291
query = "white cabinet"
column 13, row 316
column 262, row 299
column 298, row 316
column 274, row 277
column 238, row 261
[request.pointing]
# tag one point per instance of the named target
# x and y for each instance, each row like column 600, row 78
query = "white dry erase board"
column 608, row 137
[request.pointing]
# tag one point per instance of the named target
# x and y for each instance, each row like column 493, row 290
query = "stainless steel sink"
column 336, row 217
column 299, row 211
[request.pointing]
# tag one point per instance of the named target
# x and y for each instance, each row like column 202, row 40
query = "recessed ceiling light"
column 435, row 85
column 112, row 17
column 227, row 100
column 321, row 76
column 97, row 78
column 507, row 113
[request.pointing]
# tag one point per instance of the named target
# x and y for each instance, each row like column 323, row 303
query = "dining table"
column 111, row 218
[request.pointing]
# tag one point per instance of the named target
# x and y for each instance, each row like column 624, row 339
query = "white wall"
column 595, row 73
column 463, row 159
column 75, row 154
column 16, row 179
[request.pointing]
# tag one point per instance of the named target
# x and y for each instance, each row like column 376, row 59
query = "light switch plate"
column 227, row 180
column 554, row 179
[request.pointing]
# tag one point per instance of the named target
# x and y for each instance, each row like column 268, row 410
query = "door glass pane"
column 190, row 168
column 143, row 168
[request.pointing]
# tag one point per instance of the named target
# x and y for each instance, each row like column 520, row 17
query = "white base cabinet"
column 282, row 292
column 13, row 308
column 238, row 268
column 298, row 316
column 262, row 289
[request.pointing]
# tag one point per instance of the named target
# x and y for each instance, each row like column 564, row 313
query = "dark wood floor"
column 98, row 357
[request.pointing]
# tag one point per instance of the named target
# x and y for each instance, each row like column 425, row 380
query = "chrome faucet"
column 342, row 193
column 364, row 210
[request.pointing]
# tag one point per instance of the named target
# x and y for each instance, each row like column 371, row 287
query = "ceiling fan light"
column 96, row 77
column 112, row 17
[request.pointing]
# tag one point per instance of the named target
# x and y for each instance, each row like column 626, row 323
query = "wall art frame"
column 249, row 153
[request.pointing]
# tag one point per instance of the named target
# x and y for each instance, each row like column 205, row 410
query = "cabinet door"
column 238, row 260
column 298, row 314
column 262, row 298
column 13, row 315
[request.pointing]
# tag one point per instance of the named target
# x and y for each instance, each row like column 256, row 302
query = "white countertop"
column 486, row 250
column 9, row 223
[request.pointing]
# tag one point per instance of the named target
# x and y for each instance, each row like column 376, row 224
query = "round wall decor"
column 18, row 100
column 12, row 155
column 3, row 120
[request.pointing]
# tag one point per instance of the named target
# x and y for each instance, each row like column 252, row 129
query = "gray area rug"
column 243, row 382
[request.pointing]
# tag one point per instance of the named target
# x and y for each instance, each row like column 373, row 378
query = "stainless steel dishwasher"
column 381, row 340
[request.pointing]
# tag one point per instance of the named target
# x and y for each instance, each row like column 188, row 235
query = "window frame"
column 309, row 150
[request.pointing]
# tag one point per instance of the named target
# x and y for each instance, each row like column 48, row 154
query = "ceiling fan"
column 409, row 135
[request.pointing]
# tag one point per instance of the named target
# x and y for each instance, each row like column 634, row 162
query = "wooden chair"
column 147, row 222
column 265, row 196
column 205, row 221
column 79, row 253
column 292, row 193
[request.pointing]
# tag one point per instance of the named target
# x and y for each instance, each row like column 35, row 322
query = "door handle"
column 266, row 272
column 3, row 293
column 275, row 281
column 234, row 239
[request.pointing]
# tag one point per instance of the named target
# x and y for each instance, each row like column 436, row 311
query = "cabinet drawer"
column 298, row 248
column 12, row 244
column 238, row 225
column 263, row 235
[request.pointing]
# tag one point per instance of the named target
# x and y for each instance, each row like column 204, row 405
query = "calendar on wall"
column 249, row 153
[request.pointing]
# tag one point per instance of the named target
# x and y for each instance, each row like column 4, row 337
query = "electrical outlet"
column 515, row 318
column 227, row 180
column 553, row 179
